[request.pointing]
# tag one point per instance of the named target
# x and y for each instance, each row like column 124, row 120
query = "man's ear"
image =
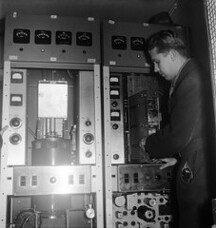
column 173, row 54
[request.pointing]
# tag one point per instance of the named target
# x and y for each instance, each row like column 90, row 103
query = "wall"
column 191, row 14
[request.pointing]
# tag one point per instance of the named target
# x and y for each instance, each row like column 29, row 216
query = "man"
column 184, row 139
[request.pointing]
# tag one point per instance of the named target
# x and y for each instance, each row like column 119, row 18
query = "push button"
column 187, row 174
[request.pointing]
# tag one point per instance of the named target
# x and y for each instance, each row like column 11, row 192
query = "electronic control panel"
column 125, row 43
column 144, row 177
column 141, row 210
column 71, row 159
column 51, row 39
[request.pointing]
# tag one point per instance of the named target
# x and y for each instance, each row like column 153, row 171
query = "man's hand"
column 142, row 143
column 166, row 162
column 145, row 158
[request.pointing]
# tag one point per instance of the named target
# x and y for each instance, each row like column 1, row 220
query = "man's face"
column 164, row 63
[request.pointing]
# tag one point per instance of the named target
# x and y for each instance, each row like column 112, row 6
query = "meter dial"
column 84, row 38
column 137, row 43
column 63, row 37
column 42, row 37
column 119, row 42
column 21, row 36
column 90, row 213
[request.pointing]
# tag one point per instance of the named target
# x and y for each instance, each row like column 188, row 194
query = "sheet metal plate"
column 42, row 180
column 143, row 177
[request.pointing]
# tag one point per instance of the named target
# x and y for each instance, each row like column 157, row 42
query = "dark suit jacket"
column 188, row 115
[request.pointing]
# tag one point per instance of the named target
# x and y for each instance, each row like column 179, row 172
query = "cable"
column 27, row 217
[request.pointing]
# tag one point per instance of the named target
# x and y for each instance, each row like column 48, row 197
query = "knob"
column 88, row 138
column 88, row 123
column 114, row 103
column 88, row 154
column 15, row 139
column 115, row 126
column 147, row 177
column 115, row 156
column 152, row 202
column 52, row 180
column 15, row 122
column 157, row 177
column 149, row 214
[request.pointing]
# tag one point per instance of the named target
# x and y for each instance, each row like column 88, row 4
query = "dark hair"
column 164, row 41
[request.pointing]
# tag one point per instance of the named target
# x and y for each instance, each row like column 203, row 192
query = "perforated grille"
column 211, row 21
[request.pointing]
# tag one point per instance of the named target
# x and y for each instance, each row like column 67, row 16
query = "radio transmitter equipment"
column 70, row 156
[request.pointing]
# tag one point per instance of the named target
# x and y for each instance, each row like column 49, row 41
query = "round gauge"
column 119, row 42
column 42, row 37
column 63, row 38
column 137, row 43
column 21, row 36
column 84, row 38
column 120, row 201
column 90, row 212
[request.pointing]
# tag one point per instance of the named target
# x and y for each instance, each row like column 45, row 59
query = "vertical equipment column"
column 131, row 111
column 17, row 118
column 63, row 178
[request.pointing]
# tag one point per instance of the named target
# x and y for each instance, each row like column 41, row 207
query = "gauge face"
column 137, row 43
column 63, row 38
column 42, row 37
column 119, row 42
column 84, row 38
column 21, row 36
